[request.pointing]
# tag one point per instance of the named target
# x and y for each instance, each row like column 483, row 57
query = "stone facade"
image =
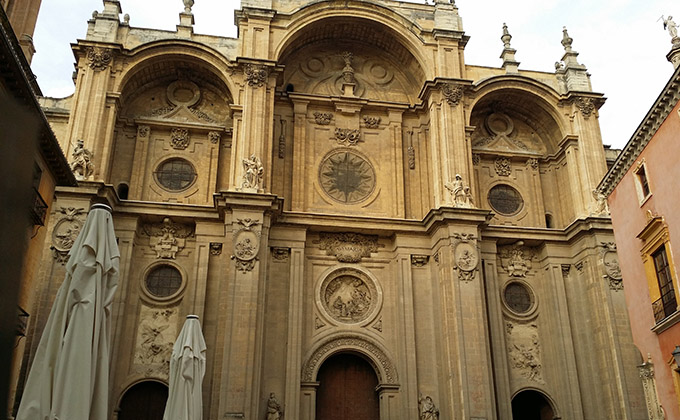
column 339, row 180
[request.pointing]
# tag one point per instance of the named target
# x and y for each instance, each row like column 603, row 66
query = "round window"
column 163, row 281
column 347, row 177
column 505, row 200
column 175, row 174
column 518, row 297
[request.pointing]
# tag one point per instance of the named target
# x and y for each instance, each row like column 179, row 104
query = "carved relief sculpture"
column 465, row 258
column 502, row 166
column 82, row 165
column 280, row 254
column 452, row 93
column 155, row 337
column 179, row 138
column 533, row 163
column 347, row 136
column 66, row 231
column 323, row 118
column 516, row 259
column 347, row 298
column 419, row 260
column 274, row 410
column 427, row 409
column 348, row 247
column 98, row 58
column 586, row 106
column 256, row 74
column 610, row 262
column 214, row 137
column 460, row 193
column 215, row 248
column 143, row 131
column 525, row 352
column 246, row 244
column 600, row 206
column 167, row 238
column 372, row 122
column 252, row 174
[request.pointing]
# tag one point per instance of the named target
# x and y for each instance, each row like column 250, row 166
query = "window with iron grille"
column 667, row 304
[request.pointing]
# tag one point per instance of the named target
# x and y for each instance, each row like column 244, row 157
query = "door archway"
column 347, row 389
column 144, row 401
column 531, row 405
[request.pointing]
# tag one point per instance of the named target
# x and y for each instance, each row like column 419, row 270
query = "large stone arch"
column 406, row 33
column 376, row 356
column 544, row 394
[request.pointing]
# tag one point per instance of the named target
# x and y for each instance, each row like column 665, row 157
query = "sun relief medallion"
column 347, row 177
column 348, row 296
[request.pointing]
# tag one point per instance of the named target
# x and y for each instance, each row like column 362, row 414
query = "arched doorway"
column 144, row 401
column 531, row 405
column 347, row 389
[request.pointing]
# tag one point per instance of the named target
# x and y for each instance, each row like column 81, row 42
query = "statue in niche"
column 82, row 165
column 428, row 411
column 274, row 411
column 252, row 173
column 461, row 195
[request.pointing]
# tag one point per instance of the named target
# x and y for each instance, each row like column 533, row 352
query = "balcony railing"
column 39, row 209
column 665, row 306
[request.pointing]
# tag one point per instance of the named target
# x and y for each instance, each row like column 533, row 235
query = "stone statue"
column 428, row 411
column 461, row 195
column 671, row 26
column 187, row 5
column 274, row 411
column 82, row 165
column 252, row 173
column 601, row 206
column 348, row 70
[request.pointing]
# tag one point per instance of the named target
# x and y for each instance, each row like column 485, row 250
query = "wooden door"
column 347, row 390
column 144, row 401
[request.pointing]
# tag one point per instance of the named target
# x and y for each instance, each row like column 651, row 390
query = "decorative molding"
column 533, row 163
column 347, row 136
column 453, row 93
column 215, row 248
column 167, row 239
column 280, row 254
column 98, row 58
column 610, row 262
column 348, row 247
column 476, row 159
column 282, row 140
column 516, row 259
column 81, row 163
column 503, row 167
column 214, row 137
column 646, row 371
column 378, row 326
column 179, row 138
column 143, row 131
column 565, row 269
column 66, row 231
column 372, row 122
column 436, row 257
column 586, row 106
column 323, row 118
column 318, row 323
column 387, row 373
column 256, row 74
column 579, row 266
column 419, row 260
column 411, row 153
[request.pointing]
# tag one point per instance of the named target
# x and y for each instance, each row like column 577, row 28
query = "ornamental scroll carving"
column 98, row 58
column 516, row 259
column 586, row 106
column 179, row 138
column 465, row 257
column 167, row 239
column 646, row 371
column 372, row 122
column 387, row 373
column 452, row 93
column 256, row 74
column 66, row 231
column 155, row 337
column 347, row 136
column 323, row 118
column 348, row 247
column 246, row 244
column 502, row 166
column 524, row 351
column 610, row 262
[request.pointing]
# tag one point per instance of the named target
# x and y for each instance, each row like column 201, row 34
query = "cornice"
column 657, row 114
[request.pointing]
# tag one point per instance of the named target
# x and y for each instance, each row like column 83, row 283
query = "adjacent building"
column 642, row 188
column 367, row 225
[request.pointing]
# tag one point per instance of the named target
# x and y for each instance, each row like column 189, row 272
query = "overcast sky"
column 621, row 42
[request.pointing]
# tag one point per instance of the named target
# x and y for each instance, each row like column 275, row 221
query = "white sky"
column 620, row 42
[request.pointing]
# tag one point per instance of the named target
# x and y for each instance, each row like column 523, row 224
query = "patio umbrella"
column 187, row 368
column 69, row 378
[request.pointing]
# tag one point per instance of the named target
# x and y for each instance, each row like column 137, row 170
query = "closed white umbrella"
column 187, row 368
column 69, row 379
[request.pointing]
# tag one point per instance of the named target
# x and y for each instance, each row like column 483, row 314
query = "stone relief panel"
column 516, row 259
column 349, row 296
column 465, row 256
column 348, row 247
column 347, row 177
column 524, row 352
column 66, row 231
column 167, row 239
column 247, row 234
column 98, row 58
column 610, row 261
column 155, row 337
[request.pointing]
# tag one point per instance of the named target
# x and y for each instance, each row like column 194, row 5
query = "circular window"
column 163, row 281
column 518, row 297
column 347, row 177
column 175, row 174
column 505, row 200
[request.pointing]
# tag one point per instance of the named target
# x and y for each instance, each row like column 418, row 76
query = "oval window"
column 505, row 200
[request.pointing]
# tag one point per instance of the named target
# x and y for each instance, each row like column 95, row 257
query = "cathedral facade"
column 366, row 225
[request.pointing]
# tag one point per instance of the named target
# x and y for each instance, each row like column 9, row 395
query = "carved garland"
column 387, row 373
column 256, row 74
column 98, row 59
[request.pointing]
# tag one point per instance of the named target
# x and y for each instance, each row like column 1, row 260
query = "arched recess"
column 142, row 400
column 533, row 404
column 402, row 33
column 374, row 354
